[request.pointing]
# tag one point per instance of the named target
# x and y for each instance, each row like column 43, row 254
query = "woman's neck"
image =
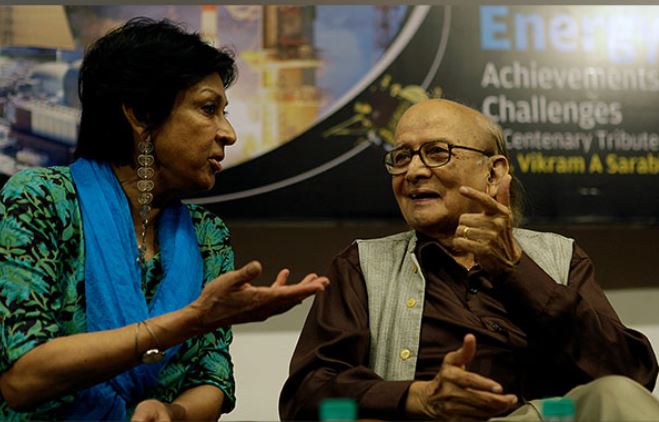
column 127, row 177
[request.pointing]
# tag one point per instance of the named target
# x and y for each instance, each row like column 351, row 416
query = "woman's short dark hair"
column 143, row 64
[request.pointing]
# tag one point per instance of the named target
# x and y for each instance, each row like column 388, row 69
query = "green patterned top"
column 42, row 286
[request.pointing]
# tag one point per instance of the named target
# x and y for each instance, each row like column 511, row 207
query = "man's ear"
column 138, row 126
column 498, row 167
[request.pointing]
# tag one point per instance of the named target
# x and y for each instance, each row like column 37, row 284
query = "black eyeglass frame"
column 394, row 171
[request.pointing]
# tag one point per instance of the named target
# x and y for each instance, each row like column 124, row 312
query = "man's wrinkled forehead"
column 444, row 119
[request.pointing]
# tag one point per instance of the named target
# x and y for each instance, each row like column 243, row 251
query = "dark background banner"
column 574, row 87
column 578, row 103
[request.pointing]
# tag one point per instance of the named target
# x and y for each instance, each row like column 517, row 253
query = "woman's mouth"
column 216, row 167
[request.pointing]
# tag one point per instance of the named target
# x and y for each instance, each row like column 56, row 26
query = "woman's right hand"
column 232, row 299
column 69, row 363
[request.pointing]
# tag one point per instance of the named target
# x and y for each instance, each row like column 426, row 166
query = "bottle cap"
column 338, row 409
column 558, row 407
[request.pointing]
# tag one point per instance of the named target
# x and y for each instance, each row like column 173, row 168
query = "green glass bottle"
column 559, row 410
column 337, row 409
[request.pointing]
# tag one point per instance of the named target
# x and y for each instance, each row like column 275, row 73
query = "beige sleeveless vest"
column 396, row 287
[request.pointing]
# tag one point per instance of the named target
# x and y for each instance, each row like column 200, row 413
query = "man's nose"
column 417, row 169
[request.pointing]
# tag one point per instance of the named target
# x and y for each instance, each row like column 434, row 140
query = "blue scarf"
column 113, row 292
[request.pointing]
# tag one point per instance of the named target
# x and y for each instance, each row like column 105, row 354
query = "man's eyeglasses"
column 433, row 154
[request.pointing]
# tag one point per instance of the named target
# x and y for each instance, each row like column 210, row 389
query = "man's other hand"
column 457, row 394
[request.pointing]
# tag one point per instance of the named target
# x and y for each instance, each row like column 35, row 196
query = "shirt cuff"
column 385, row 400
column 533, row 292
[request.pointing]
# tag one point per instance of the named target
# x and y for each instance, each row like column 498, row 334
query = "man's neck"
column 464, row 259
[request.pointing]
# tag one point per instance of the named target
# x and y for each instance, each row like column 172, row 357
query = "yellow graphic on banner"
column 376, row 115
column 644, row 165
column 538, row 163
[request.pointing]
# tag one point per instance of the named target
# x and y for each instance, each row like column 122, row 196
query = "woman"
column 110, row 300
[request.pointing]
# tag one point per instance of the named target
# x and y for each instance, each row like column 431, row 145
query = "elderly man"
column 464, row 317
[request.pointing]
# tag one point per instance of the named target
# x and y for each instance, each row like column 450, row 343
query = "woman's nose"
column 226, row 134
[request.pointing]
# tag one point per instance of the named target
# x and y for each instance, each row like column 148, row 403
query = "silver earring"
column 145, row 185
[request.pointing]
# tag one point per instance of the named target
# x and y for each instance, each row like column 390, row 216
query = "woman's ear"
column 498, row 167
column 138, row 126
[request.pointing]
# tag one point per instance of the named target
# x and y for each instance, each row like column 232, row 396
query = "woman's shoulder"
column 42, row 192
column 39, row 181
column 214, row 241
column 207, row 224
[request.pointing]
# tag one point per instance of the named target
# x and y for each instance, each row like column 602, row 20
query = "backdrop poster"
column 321, row 89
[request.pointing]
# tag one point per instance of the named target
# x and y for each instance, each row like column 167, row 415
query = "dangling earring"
column 145, row 185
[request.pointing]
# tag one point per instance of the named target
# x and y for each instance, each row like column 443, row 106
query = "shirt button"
column 473, row 290
column 410, row 302
column 415, row 269
column 405, row 354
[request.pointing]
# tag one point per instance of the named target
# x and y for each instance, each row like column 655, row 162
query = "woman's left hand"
column 154, row 410
column 233, row 299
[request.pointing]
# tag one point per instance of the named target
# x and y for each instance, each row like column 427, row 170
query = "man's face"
column 428, row 197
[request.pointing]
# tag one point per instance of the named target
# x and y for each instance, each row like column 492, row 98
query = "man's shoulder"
column 540, row 236
column 551, row 251
column 380, row 253
column 405, row 236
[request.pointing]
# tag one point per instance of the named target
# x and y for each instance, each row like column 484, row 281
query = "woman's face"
column 189, row 146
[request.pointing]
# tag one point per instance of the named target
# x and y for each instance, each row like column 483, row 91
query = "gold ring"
column 465, row 233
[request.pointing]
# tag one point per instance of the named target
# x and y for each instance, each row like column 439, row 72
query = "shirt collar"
column 430, row 252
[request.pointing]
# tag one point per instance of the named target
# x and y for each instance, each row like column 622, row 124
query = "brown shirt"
column 534, row 336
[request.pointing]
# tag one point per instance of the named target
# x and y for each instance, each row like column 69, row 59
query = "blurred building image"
column 208, row 25
column 285, row 83
column 19, row 24
column 39, row 62
column 39, row 109
column 287, row 63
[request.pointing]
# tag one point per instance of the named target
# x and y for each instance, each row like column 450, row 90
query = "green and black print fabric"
column 42, row 285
